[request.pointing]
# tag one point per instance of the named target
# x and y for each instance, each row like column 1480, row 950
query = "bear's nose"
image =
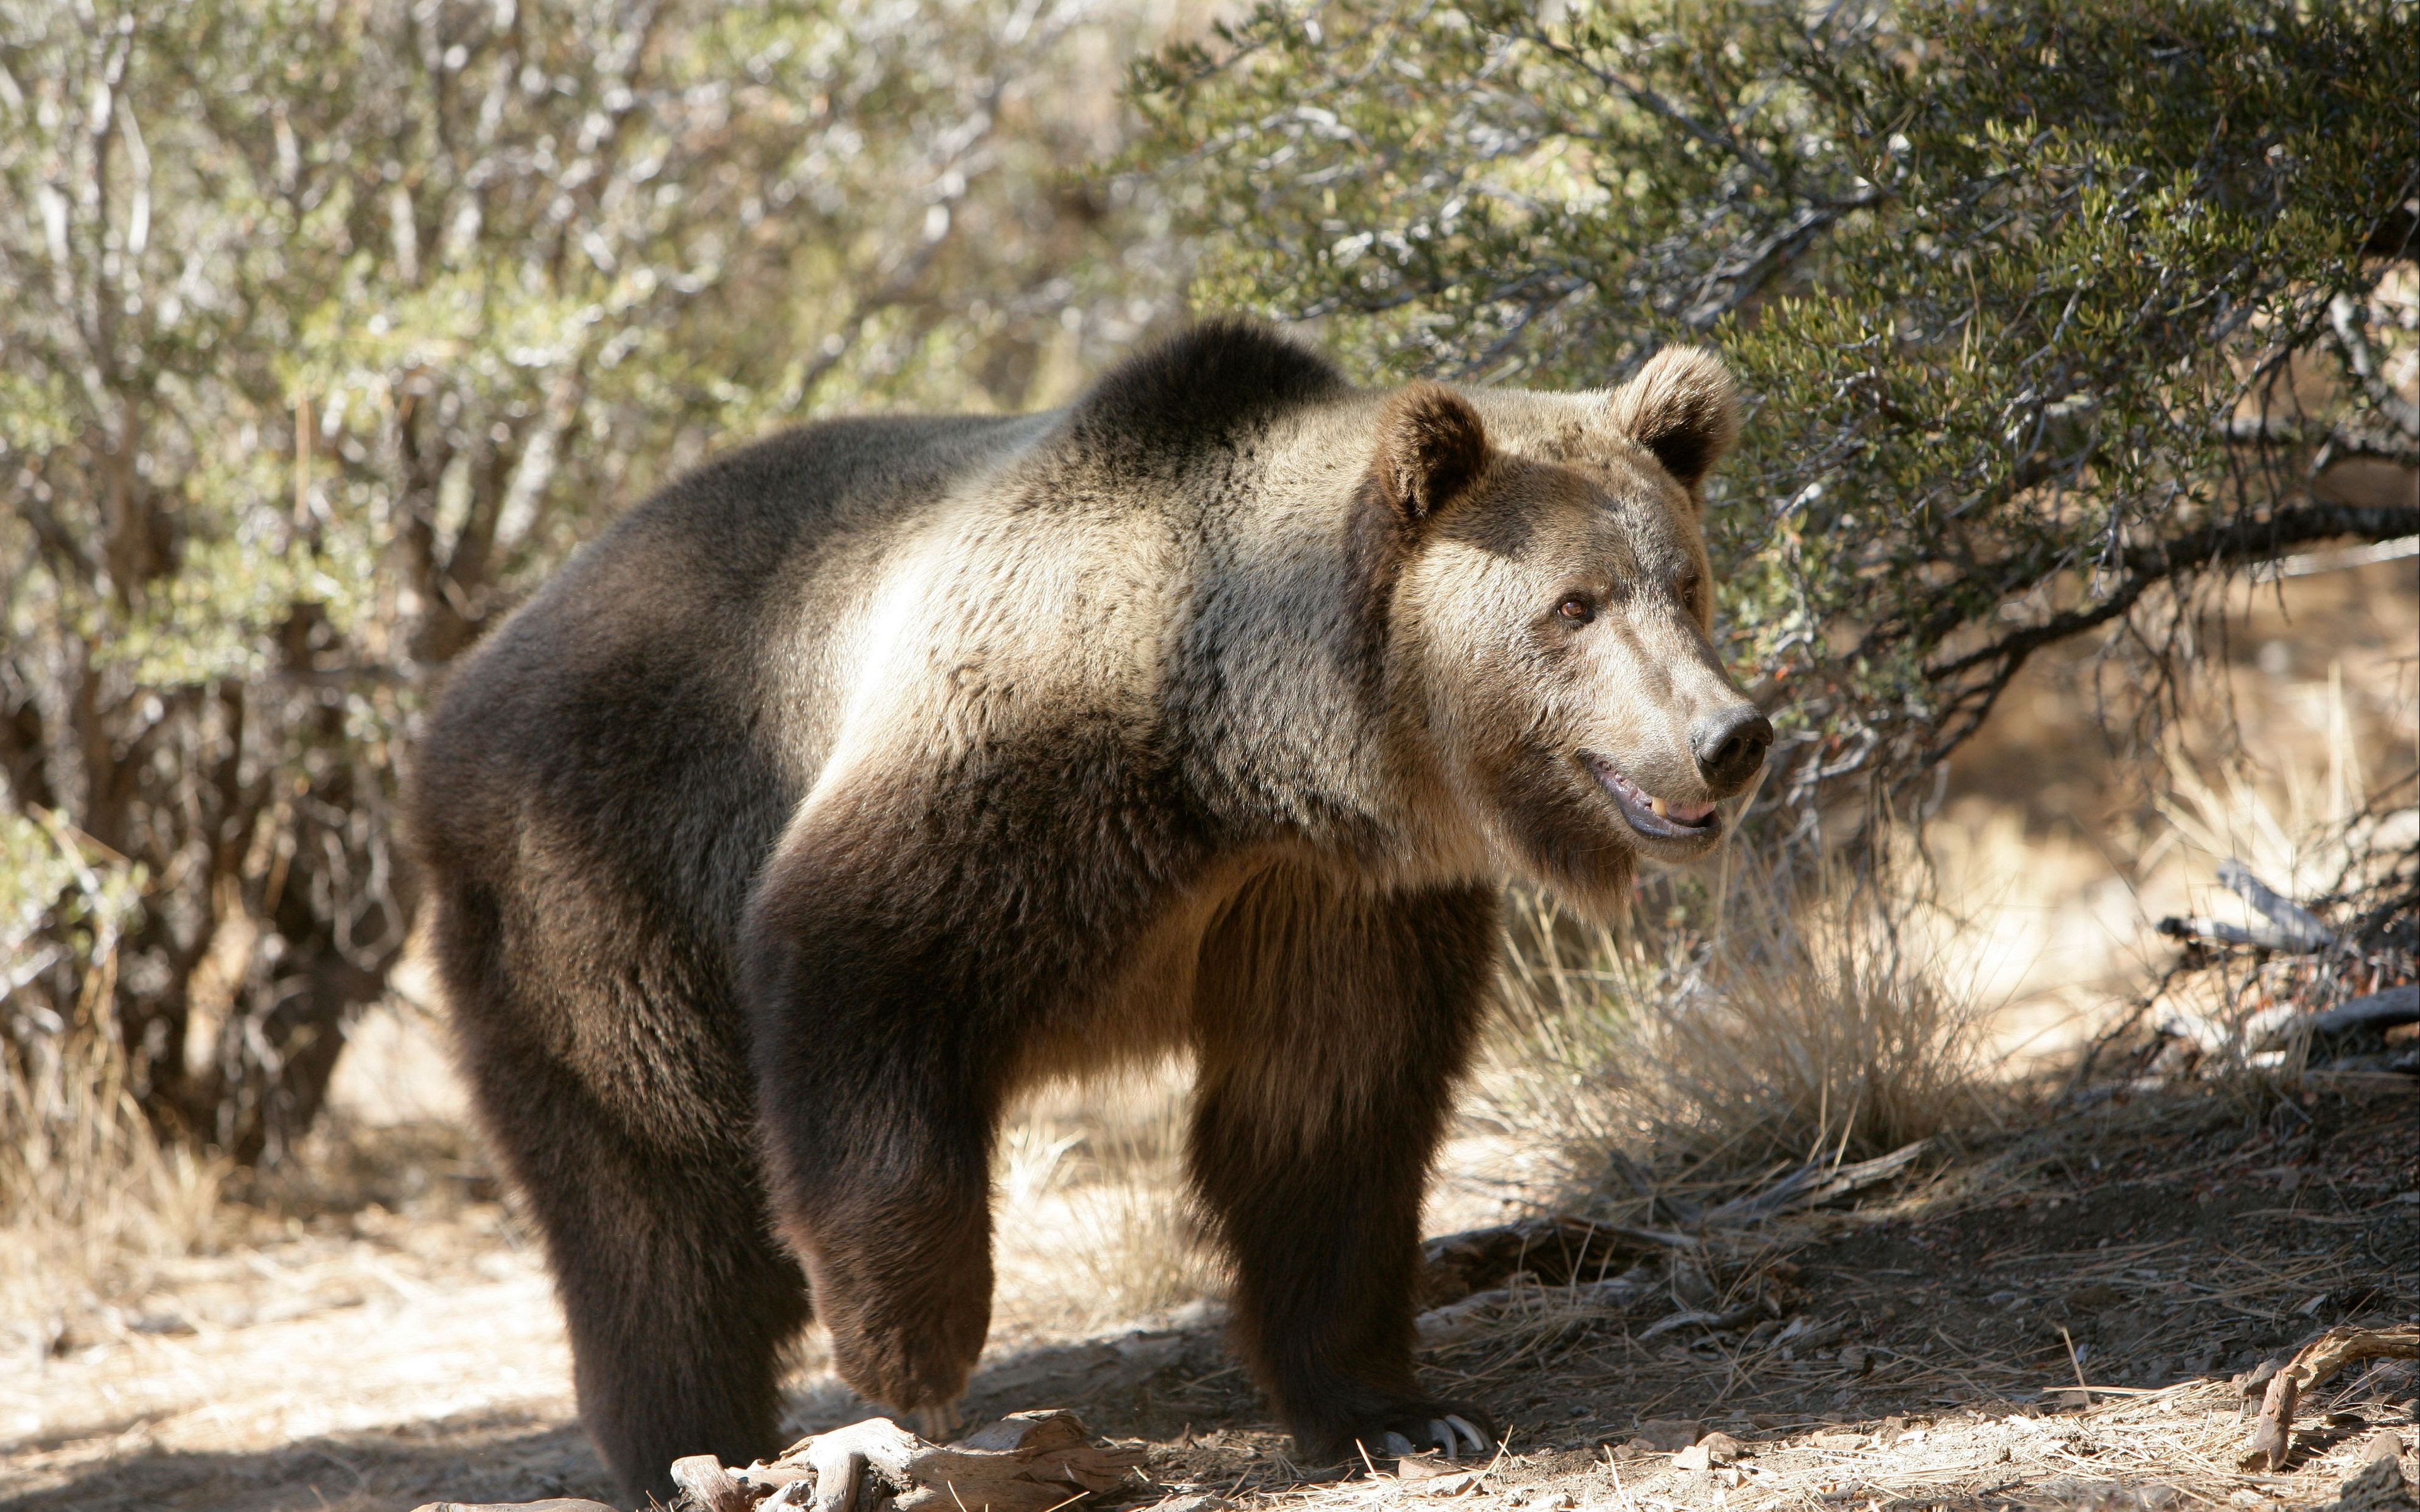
column 1729, row 745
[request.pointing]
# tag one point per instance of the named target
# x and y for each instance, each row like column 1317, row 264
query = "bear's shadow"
column 1165, row 1385
column 1145, row 1383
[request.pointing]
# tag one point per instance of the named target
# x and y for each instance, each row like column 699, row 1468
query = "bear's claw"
column 1448, row 1431
column 1480, row 1442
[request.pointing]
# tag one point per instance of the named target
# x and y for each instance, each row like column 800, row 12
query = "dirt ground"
column 395, row 1342
column 1908, row 1352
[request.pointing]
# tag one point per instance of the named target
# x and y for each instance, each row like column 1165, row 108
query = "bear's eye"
column 1576, row 609
column 1691, row 592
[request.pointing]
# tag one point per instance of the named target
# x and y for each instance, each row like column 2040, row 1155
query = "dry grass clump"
column 1091, row 1218
column 93, row 1203
column 1782, row 1019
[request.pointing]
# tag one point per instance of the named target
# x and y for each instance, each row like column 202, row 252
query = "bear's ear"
column 1682, row 407
column 1431, row 447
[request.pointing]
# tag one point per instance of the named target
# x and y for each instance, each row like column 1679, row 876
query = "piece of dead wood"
column 2377, row 1010
column 1418, row 1475
column 552, row 1504
column 1815, row 1183
column 2388, row 1083
column 2275, row 1029
column 2315, row 1362
column 1427, row 1466
column 1802, row 1335
column 2293, row 921
column 710, row 1486
column 2219, row 931
column 1025, row 1462
column 1711, row 1322
column 2287, row 926
column 1481, row 1310
column 1427, row 1474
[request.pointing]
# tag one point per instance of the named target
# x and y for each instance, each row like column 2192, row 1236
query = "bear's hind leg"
column 680, row 1305
column 678, row 1331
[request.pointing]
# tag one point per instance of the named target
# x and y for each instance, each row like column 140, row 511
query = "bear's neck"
column 1275, row 699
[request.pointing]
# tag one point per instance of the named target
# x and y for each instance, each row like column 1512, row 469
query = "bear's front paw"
column 1455, row 1427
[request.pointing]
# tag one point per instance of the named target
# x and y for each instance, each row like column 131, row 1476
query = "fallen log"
column 2315, row 1362
column 2275, row 1029
column 1025, row 1462
column 2378, row 1011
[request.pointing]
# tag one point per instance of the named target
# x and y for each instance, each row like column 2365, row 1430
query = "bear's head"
column 1547, row 610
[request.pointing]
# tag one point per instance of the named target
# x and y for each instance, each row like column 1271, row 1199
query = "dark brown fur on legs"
column 913, row 947
column 678, row 1327
column 679, row 1301
column 880, row 1155
column 1333, row 1021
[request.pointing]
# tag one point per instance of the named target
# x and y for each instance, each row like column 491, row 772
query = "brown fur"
column 882, row 769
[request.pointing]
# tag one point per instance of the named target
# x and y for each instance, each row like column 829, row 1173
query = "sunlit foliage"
column 330, row 323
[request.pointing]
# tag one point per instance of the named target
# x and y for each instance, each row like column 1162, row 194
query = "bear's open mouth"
column 1652, row 816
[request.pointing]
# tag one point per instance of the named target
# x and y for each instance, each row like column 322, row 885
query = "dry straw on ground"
column 93, row 1203
column 1092, row 1220
column 1799, row 1019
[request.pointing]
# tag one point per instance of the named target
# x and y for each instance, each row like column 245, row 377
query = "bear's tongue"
column 1688, row 813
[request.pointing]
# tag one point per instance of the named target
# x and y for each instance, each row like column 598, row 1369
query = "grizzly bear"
column 883, row 768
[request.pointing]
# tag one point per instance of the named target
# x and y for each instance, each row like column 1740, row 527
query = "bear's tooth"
column 1658, row 804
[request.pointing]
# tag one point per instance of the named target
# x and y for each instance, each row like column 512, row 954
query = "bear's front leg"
column 925, row 923
column 886, row 1200
column 1333, row 1023
column 877, row 1102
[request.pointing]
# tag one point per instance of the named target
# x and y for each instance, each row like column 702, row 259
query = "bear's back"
column 653, row 713
column 648, row 721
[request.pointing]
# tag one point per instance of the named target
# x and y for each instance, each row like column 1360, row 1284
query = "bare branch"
column 2209, row 548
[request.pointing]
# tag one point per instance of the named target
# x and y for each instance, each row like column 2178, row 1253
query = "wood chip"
column 2272, row 1431
column 710, row 1486
column 1665, row 1434
column 552, row 1504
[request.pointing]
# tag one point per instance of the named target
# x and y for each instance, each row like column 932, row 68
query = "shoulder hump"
column 1201, row 385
